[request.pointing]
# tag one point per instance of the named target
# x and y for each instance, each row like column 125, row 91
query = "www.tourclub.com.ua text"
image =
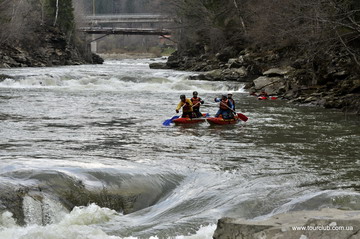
column 322, row 228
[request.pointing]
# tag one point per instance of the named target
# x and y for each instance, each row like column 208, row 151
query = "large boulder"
column 158, row 65
column 327, row 223
column 235, row 74
column 272, row 85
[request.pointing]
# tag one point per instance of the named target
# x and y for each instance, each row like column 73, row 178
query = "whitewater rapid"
column 84, row 154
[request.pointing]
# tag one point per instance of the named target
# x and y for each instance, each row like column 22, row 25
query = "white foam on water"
column 7, row 220
column 113, row 76
column 80, row 223
column 89, row 215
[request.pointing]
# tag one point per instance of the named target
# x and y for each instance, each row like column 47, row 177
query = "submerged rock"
column 158, row 65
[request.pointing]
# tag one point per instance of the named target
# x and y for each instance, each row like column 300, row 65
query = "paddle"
column 169, row 121
column 242, row 116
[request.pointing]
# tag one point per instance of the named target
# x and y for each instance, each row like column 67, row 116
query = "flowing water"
column 84, row 154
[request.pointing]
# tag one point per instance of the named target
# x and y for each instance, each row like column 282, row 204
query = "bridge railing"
column 128, row 18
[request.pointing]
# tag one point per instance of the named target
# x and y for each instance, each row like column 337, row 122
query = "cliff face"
column 52, row 49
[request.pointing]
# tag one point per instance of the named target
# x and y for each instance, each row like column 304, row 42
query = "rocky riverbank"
column 331, row 82
column 53, row 49
column 327, row 223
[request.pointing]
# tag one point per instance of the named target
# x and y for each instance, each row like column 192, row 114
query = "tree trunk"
column 56, row 12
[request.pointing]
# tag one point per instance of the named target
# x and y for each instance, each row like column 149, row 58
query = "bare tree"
column 314, row 26
column 56, row 12
column 18, row 20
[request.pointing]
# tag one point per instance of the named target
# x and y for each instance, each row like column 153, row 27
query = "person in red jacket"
column 196, row 101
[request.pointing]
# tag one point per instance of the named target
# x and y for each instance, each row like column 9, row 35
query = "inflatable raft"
column 179, row 121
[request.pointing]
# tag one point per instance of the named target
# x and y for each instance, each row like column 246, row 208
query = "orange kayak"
column 221, row 121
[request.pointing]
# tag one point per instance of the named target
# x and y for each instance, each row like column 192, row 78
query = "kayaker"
column 196, row 101
column 225, row 108
column 186, row 106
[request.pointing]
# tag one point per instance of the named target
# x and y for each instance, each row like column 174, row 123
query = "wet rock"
column 96, row 59
column 158, row 65
column 234, row 63
column 327, row 223
column 225, row 54
column 4, row 65
column 236, row 74
column 277, row 71
column 3, row 77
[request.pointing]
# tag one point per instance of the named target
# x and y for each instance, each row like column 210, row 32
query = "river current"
column 84, row 151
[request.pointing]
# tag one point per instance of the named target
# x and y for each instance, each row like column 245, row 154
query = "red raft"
column 189, row 121
column 267, row 98
column 221, row 121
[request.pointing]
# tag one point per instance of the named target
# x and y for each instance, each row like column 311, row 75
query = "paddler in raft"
column 225, row 107
column 196, row 101
column 186, row 106
column 263, row 93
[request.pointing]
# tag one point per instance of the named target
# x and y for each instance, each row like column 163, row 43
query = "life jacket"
column 187, row 107
column 196, row 102
column 224, row 105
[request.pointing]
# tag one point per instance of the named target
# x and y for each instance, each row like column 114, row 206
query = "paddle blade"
column 169, row 121
column 242, row 117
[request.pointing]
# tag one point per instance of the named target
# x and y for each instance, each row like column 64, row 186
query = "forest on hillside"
column 312, row 45
column 311, row 27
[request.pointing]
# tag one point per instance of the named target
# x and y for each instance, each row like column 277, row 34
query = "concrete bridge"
column 109, row 24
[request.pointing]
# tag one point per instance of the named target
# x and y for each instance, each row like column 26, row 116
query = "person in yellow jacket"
column 186, row 106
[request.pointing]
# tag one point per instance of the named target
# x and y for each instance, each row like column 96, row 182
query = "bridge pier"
column 93, row 44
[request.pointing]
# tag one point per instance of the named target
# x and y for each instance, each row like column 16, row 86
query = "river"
column 91, row 136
